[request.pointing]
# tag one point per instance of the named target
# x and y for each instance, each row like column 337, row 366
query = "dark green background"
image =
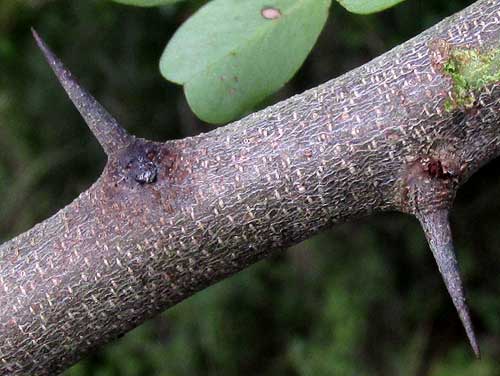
column 362, row 299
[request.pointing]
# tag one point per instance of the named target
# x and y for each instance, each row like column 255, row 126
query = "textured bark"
column 375, row 139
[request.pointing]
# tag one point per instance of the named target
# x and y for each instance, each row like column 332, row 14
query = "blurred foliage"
column 362, row 299
column 146, row 3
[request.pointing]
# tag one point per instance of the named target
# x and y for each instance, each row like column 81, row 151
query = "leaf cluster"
column 232, row 54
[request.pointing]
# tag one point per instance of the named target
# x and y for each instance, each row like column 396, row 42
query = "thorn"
column 105, row 128
column 438, row 233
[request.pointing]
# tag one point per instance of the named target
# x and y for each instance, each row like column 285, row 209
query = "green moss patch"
column 471, row 70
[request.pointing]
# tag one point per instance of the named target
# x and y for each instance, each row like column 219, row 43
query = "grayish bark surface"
column 375, row 139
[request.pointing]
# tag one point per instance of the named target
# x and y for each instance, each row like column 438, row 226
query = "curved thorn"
column 105, row 128
column 438, row 233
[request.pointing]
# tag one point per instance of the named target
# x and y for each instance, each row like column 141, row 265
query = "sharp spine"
column 438, row 233
column 105, row 128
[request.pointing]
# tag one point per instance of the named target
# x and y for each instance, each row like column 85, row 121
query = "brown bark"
column 168, row 219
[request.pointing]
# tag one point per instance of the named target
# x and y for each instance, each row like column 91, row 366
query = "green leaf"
column 146, row 3
column 232, row 54
column 367, row 6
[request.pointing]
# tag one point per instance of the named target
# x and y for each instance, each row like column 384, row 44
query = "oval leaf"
column 146, row 3
column 367, row 6
column 232, row 54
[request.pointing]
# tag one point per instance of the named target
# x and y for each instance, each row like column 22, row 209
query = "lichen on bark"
column 471, row 69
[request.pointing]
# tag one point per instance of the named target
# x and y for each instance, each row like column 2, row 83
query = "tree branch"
column 166, row 220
